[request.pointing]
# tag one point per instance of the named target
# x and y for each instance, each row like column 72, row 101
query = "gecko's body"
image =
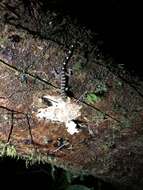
column 64, row 75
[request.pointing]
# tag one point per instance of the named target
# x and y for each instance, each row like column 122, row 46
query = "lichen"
column 61, row 111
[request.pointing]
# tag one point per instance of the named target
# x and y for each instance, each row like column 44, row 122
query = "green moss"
column 31, row 158
column 11, row 151
column 36, row 157
column 2, row 40
column 7, row 150
column 92, row 98
column 78, row 67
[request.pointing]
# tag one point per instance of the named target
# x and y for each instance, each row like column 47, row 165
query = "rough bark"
column 109, row 142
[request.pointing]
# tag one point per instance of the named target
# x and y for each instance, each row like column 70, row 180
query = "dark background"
column 15, row 174
column 117, row 21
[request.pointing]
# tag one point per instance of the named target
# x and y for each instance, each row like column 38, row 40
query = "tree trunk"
column 104, row 103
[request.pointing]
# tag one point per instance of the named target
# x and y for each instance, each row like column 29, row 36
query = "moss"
column 2, row 40
column 92, row 98
column 78, row 67
column 11, row 151
column 37, row 158
column 8, row 150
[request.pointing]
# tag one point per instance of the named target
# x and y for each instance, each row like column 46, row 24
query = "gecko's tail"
column 64, row 77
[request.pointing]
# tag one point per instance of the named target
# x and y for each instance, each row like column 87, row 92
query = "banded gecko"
column 64, row 74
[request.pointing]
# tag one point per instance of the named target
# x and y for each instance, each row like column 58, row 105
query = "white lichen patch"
column 60, row 111
column 71, row 127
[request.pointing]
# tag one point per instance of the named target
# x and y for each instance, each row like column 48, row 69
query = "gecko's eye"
column 47, row 101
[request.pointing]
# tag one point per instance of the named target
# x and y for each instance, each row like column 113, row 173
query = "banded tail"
column 64, row 77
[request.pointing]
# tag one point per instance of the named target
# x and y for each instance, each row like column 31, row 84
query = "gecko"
column 64, row 74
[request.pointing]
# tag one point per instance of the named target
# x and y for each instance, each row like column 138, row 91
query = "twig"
column 60, row 147
column 97, row 109
column 27, row 73
column 29, row 128
column 11, row 110
column 12, row 125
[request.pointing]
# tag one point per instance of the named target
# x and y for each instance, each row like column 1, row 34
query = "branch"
column 36, row 77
